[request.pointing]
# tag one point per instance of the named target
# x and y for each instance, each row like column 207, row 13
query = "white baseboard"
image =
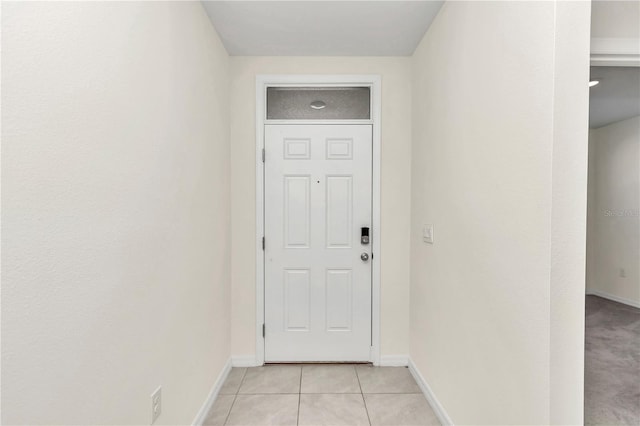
column 438, row 409
column 213, row 394
column 394, row 360
column 618, row 299
column 244, row 361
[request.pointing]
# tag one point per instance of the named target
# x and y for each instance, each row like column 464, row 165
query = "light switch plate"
column 427, row 233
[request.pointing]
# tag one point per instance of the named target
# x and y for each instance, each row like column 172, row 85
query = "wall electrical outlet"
column 623, row 273
column 156, row 404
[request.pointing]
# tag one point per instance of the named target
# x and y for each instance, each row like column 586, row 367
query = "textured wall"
column 115, row 197
column 485, row 173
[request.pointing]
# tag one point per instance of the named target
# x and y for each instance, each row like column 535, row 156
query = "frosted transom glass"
column 318, row 103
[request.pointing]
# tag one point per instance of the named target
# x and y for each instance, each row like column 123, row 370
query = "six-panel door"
column 317, row 199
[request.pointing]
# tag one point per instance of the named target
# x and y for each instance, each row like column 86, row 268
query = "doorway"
column 318, row 179
column 612, row 332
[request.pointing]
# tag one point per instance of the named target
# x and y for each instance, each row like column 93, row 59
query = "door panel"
column 338, row 307
column 296, row 301
column 317, row 198
column 339, row 202
column 296, row 211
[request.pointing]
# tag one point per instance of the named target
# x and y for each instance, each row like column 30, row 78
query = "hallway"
column 143, row 282
column 320, row 395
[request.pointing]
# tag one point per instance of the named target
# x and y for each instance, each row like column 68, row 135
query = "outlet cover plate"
column 156, row 404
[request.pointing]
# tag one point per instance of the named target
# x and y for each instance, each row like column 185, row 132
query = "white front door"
column 317, row 270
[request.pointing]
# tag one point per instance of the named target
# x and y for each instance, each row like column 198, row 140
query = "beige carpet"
column 612, row 363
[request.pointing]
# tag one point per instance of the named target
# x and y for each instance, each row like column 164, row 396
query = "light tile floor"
column 316, row 395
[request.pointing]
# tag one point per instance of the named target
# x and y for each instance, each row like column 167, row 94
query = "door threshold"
column 266, row 364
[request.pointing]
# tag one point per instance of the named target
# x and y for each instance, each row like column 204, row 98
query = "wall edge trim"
column 435, row 404
column 213, row 394
column 394, row 360
column 615, row 52
column 244, row 361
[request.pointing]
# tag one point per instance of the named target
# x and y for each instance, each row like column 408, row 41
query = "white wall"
column 488, row 152
column 569, row 211
column 115, row 196
column 395, row 187
column 613, row 240
column 615, row 19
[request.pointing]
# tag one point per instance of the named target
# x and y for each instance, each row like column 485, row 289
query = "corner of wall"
column 569, row 208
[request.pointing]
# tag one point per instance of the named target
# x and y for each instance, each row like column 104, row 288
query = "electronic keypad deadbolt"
column 364, row 235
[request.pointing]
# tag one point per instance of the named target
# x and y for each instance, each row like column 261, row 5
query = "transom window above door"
column 318, row 103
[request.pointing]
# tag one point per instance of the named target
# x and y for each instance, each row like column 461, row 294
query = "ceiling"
column 616, row 98
column 321, row 28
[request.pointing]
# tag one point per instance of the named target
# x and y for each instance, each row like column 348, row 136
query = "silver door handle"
column 364, row 257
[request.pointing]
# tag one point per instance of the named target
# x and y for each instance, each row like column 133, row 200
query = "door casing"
column 264, row 81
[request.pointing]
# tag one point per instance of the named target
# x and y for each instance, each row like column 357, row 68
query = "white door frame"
column 372, row 81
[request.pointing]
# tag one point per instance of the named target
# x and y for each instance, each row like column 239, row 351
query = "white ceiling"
column 321, row 28
column 616, row 98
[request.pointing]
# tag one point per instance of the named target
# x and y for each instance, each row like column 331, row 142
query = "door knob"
column 364, row 257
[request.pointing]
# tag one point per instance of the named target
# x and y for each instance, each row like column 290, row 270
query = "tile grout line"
column 360, row 391
column 299, row 397
column 235, row 396
column 226, row 419
column 366, row 410
column 273, row 393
